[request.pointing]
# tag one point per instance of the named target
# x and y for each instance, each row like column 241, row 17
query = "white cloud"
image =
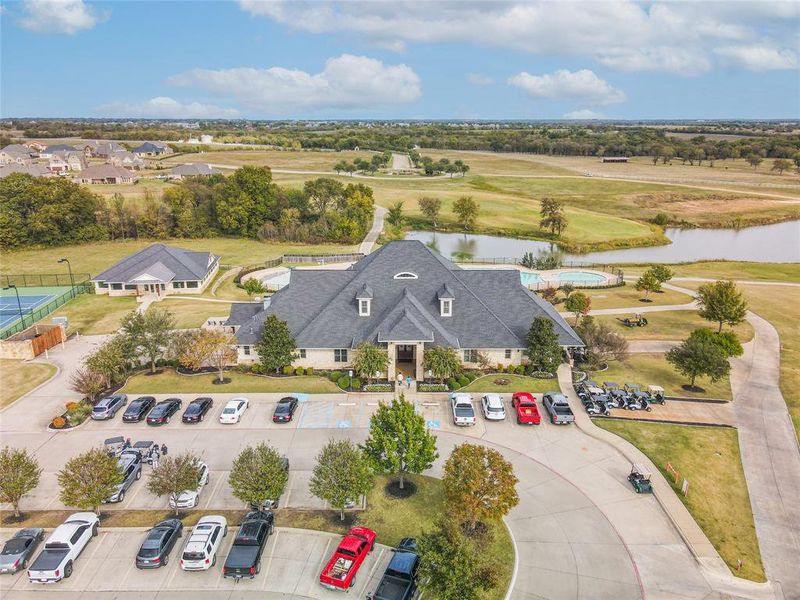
column 346, row 82
column 677, row 37
column 572, row 86
column 758, row 58
column 58, row 16
column 583, row 114
column 162, row 107
column 478, row 79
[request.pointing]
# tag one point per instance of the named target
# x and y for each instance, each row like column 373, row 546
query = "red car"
column 340, row 572
column 525, row 406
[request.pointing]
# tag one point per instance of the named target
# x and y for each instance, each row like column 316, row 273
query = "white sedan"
column 493, row 409
column 234, row 410
column 191, row 498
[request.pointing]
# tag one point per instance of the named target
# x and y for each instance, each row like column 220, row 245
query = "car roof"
column 234, row 402
column 142, row 400
column 494, row 399
column 104, row 402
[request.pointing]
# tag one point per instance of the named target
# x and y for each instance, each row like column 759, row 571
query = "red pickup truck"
column 340, row 572
column 525, row 406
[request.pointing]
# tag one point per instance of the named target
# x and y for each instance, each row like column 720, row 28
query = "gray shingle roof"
column 106, row 171
column 34, row 170
column 163, row 263
column 194, row 169
column 59, row 148
column 491, row 308
column 151, row 147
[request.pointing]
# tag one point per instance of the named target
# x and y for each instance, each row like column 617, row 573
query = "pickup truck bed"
column 47, row 561
column 559, row 410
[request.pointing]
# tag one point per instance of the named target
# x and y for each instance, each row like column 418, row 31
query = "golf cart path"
column 375, row 230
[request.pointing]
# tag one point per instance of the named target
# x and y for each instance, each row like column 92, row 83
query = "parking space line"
column 269, row 560
column 127, row 574
column 91, row 558
column 213, row 493
column 288, row 490
column 371, row 573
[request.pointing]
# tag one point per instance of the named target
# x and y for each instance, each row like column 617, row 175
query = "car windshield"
column 100, row 408
column 158, row 410
column 527, row 404
column 282, row 408
column 229, row 411
column 496, row 409
column 193, row 556
column 14, row 546
column 148, row 552
column 136, row 405
column 193, row 409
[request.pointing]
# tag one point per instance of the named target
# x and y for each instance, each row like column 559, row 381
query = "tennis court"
column 31, row 300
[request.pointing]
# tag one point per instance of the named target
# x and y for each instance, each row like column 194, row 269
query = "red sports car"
column 525, row 406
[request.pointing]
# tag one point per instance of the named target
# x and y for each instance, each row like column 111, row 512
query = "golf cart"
column 638, row 401
column 640, row 479
column 148, row 450
column 656, row 394
column 610, row 386
column 114, row 446
column 632, row 388
column 638, row 320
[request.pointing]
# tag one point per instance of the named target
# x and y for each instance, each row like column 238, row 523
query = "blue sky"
column 488, row 60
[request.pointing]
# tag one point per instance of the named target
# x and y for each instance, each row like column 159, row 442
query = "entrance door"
column 405, row 360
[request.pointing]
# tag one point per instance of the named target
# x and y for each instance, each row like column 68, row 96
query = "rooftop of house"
column 106, row 171
column 160, row 263
column 405, row 283
column 194, row 169
column 34, row 170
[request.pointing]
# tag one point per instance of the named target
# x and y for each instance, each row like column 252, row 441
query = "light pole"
column 71, row 280
column 19, row 304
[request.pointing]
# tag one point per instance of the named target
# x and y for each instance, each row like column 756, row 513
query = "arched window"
column 406, row 275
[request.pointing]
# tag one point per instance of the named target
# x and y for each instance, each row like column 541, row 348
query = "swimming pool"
column 581, row 277
column 529, row 278
column 278, row 281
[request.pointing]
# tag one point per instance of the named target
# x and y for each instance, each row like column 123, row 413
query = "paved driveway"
column 291, row 565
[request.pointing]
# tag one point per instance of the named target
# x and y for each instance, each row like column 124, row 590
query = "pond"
column 766, row 243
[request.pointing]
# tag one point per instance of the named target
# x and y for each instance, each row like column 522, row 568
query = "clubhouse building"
column 403, row 297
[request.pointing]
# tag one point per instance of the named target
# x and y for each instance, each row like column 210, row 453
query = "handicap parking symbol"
column 432, row 424
column 344, row 424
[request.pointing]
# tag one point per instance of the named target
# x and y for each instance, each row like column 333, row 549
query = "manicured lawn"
column 93, row 258
column 517, row 383
column 789, row 272
column 718, row 500
column 669, row 325
column 18, row 378
column 653, row 369
column 92, row 314
column 169, row 382
column 190, row 314
column 228, row 290
column 627, row 296
column 275, row 159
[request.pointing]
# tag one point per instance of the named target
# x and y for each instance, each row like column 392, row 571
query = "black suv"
column 159, row 542
column 138, row 409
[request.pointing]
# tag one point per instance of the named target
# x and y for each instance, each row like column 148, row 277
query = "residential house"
column 159, row 270
column 106, row 149
column 127, row 160
column 152, row 149
column 33, row 170
column 404, row 297
column 17, row 153
column 192, row 170
column 50, row 150
column 106, row 174
column 64, row 161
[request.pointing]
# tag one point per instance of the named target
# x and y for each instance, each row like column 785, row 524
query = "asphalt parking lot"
column 291, row 565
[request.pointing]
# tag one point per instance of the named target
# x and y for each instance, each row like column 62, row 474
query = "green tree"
column 466, row 209
column 449, row 566
column 395, row 215
column 276, row 346
column 88, row 479
column 697, row 357
column 341, row 474
column 148, row 334
column 442, row 361
column 19, row 475
column 754, row 160
column 324, row 192
column 647, row 283
column 722, row 302
column 781, row 164
column 399, row 441
column 479, row 484
column 579, row 304
column 369, row 359
column 175, row 474
column 727, row 341
column 552, row 217
column 110, row 360
column 544, row 351
column 87, row 382
column 430, row 207
column 254, row 286
column 258, row 474
column 662, row 272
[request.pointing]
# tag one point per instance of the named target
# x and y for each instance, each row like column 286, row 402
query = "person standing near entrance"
column 408, row 381
column 399, row 380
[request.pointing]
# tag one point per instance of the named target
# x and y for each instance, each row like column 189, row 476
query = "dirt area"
column 675, row 411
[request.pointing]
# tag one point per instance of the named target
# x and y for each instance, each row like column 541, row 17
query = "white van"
column 200, row 551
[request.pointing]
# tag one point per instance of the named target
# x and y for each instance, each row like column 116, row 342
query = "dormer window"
column 406, row 275
column 364, row 307
column 446, row 307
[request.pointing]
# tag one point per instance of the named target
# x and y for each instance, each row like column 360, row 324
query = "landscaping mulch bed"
column 393, row 489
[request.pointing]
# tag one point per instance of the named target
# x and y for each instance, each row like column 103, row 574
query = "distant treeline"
column 553, row 139
column 54, row 211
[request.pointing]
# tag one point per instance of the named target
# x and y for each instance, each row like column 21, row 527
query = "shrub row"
column 432, row 387
column 378, row 387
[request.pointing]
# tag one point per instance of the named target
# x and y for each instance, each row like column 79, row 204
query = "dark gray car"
column 16, row 551
column 130, row 463
column 107, row 407
column 158, row 543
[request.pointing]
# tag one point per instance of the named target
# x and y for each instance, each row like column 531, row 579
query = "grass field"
column 669, row 325
column 17, row 378
column 627, row 296
column 92, row 314
column 275, row 159
column 94, row 257
column 190, row 314
column 518, row 383
column 653, row 369
column 788, row 272
column 718, row 500
column 169, row 382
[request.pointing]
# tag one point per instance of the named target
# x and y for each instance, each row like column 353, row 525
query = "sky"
column 400, row 60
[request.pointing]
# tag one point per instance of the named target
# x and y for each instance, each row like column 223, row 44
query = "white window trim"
column 364, row 306
column 406, row 275
column 446, row 307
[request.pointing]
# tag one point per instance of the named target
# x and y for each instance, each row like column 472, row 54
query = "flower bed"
column 75, row 414
column 378, row 387
column 432, row 387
